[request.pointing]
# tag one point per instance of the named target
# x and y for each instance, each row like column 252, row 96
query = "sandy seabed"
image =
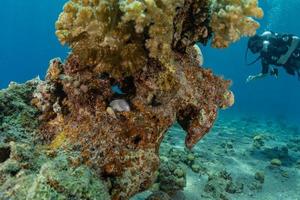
column 261, row 156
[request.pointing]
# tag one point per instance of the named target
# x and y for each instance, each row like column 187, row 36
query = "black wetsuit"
column 277, row 45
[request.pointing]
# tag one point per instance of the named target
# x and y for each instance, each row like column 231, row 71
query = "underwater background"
column 262, row 127
column 28, row 42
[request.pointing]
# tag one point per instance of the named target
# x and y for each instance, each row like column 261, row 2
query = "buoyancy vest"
column 283, row 59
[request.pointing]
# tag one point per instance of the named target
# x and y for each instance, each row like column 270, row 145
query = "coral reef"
column 16, row 113
column 231, row 19
column 171, row 177
column 118, row 144
column 54, row 179
column 147, row 49
column 28, row 170
column 114, row 34
column 218, row 185
column 100, row 140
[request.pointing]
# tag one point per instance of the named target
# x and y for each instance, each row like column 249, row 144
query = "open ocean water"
column 263, row 124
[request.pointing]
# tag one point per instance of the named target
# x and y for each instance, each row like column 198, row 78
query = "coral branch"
column 232, row 19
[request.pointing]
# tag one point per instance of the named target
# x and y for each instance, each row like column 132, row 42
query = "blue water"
column 270, row 97
column 28, row 43
column 28, row 40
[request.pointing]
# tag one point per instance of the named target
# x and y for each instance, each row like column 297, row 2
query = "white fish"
column 120, row 105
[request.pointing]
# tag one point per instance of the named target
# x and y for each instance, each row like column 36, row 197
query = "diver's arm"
column 264, row 72
column 255, row 77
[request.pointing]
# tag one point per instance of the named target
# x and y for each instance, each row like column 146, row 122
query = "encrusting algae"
column 148, row 50
column 26, row 170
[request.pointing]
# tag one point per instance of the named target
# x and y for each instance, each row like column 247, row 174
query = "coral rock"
column 146, row 48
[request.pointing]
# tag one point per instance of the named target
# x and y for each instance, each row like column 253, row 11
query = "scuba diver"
column 275, row 50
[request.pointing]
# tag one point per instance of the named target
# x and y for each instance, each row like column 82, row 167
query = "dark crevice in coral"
column 184, row 122
column 104, row 75
column 154, row 101
column 191, row 25
column 137, row 139
column 81, row 36
column 127, row 86
column 4, row 154
column 185, row 116
column 59, row 92
column 13, row 172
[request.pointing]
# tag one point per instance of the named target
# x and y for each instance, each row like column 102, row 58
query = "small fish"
column 120, row 105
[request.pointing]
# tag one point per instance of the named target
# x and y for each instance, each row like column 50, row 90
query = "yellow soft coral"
column 97, row 30
column 83, row 16
column 119, row 36
column 232, row 19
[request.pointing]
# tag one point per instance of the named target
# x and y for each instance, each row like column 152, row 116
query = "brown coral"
column 124, row 148
column 146, row 48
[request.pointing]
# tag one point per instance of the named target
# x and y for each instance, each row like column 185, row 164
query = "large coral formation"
column 103, row 140
column 146, row 48
column 232, row 19
column 123, row 147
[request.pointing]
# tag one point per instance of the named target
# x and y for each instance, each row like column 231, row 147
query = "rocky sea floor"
column 241, row 158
